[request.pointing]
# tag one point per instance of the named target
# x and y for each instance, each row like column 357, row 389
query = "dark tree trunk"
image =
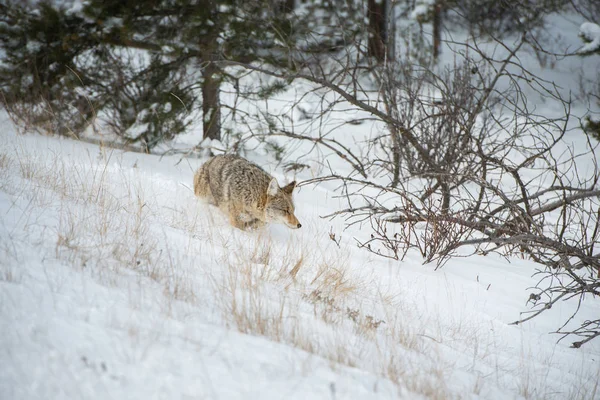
column 377, row 28
column 437, row 29
column 211, row 77
column 211, row 106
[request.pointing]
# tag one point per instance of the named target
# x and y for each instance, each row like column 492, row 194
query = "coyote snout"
column 250, row 196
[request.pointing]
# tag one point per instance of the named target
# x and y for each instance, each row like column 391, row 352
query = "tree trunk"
column 390, row 30
column 377, row 32
column 211, row 106
column 437, row 29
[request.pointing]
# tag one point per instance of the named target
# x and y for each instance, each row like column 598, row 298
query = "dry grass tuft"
column 5, row 161
column 9, row 274
column 296, row 267
column 333, row 280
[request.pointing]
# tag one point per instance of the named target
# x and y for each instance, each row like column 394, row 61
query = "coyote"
column 250, row 196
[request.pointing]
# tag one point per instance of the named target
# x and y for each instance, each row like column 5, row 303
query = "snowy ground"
column 115, row 282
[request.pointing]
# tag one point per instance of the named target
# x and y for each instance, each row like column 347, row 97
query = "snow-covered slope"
column 115, row 282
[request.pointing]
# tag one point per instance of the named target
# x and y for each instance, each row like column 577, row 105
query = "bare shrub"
column 464, row 166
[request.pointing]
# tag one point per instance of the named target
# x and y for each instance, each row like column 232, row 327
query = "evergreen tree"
column 136, row 63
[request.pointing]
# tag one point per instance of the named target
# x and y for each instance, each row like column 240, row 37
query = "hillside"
column 117, row 283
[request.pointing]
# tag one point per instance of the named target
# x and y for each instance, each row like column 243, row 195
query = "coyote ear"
column 273, row 187
column 289, row 188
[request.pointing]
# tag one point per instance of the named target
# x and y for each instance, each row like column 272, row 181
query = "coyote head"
column 280, row 207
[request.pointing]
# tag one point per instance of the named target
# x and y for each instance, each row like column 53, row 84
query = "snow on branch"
column 590, row 33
